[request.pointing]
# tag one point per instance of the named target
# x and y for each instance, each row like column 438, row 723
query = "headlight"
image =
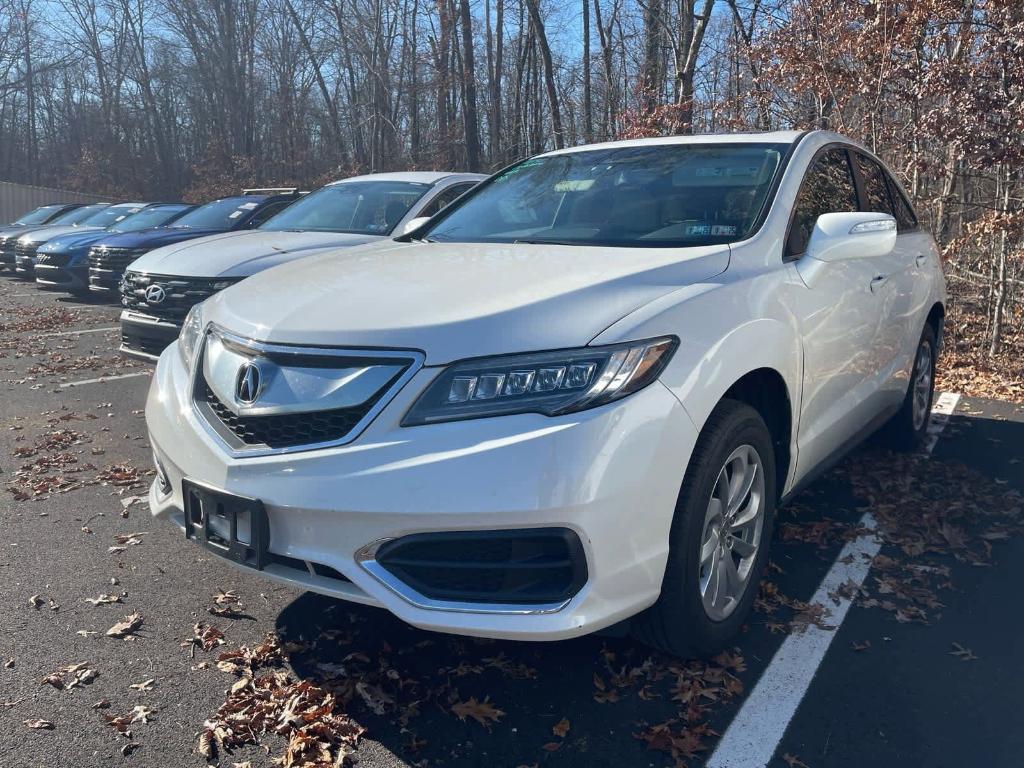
column 191, row 335
column 550, row 383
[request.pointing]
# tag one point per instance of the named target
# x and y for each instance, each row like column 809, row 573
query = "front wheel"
column 719, row 539
column 907, row 429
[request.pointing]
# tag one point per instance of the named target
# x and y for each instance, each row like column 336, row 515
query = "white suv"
column 572, row 398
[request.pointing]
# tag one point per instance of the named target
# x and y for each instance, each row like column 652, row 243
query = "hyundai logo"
column 248, row 383
column 155, row 294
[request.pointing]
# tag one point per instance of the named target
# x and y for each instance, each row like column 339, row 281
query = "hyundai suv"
column 29, row 244
column 160, row 288
column 573, row 398
column 63, row 262
column 109, row 257
column 73, row 217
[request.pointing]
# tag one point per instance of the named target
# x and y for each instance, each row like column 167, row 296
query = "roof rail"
column 271, row 191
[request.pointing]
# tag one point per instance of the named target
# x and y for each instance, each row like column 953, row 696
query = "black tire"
column 678, row 623
column 900, row 433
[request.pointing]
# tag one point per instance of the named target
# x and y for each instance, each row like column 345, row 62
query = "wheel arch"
column 937, row 320
column 764, row 390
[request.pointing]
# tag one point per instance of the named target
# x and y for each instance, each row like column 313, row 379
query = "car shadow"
column 620, row 698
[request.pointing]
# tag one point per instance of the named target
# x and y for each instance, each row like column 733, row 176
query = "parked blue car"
column 109, row 257
column 64, row 261
column 73, row 217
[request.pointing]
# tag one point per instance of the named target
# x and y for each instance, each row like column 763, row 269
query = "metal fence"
column 16, row 199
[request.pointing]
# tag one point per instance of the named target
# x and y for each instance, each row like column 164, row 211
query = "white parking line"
column 102, row 379
column 76, row 333
column 754, row 734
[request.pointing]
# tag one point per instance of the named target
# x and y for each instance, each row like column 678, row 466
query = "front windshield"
column 78, row 215
column 154, row 216
column 108, row 217
column 359, row 207
column 654, row 195
column 220, row 214
column 38, row 216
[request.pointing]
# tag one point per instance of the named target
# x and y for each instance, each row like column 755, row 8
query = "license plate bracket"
column 235, row 527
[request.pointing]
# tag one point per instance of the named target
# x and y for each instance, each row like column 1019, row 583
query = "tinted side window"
column 902, row 210
column 876, row 192
column 828, row 188
column 445, row 198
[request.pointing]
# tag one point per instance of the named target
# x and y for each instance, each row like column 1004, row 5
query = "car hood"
column 155, row 237
column 73, row 241
column 454, row 301
column 45, row 234
column 240, row 254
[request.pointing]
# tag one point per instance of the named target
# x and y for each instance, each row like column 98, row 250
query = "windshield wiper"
column 542, row 241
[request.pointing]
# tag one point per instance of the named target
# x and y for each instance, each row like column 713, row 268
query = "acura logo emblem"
column 248, row 383
column 155, row 294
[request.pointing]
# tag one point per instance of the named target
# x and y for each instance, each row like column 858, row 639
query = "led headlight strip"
column 550, row 383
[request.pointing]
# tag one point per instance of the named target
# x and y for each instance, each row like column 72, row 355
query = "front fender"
column 726, row 330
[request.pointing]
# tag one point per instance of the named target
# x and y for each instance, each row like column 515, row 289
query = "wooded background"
column 193, row 98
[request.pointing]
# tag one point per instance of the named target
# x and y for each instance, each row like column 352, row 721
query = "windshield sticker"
column 248, row 206
column 723, row 229
column 698, row 230
column 235, row 214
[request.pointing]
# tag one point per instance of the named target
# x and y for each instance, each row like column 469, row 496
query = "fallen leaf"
column 130, row 624
column 860, row 645
column 35, row 602
column 39, row 725
column 483, row 712
column 145, row 685
column 561, row 728
column 141, row 713
column 962, row 653
column 793, row 761
column 103, row 599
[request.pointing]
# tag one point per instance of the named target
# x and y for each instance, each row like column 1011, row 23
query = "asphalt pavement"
column 915, row 660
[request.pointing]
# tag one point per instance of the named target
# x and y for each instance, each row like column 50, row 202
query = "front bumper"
column 105, row 281
column 145, row 337
column 611, row 475
column 25, row 267
column 72, row 279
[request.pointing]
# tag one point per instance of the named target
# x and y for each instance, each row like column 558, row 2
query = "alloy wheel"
column 732, row 532
column 922, row 384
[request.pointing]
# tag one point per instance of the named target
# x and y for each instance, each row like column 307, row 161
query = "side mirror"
column 842, row 236
column 412, row 224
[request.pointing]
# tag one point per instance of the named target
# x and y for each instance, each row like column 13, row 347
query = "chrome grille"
column 112, row 259
column 53, row 259
column 291, row 429
column 179, row 296
column 313, row 397
column 26, row 251
column 7, row 250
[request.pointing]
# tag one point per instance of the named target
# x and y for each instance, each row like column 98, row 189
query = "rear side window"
column 828, row 188
column 445, row 198
column 267, row 212
column 902, row 210
column 876, row 192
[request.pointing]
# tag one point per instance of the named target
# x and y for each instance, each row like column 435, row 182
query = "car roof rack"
column 271, row 191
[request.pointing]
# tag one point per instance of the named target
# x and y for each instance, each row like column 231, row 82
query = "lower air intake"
column 530, row 566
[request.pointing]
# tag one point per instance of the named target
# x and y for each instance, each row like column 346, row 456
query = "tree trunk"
column 469, row 84
column 549, row 73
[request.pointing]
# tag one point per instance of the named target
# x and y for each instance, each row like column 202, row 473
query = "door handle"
column 921, row 259
column 878, row 281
